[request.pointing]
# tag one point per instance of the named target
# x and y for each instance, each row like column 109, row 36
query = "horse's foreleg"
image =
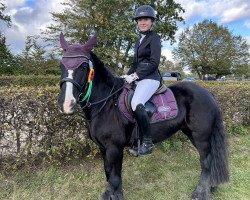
column 106, row 165
column 113, row 156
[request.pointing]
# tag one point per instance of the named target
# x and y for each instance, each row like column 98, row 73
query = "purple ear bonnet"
column 76, row 54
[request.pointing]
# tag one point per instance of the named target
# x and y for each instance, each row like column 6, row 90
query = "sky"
column 29, row 17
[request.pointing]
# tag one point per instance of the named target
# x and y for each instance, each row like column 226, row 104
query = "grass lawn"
column 171, row 175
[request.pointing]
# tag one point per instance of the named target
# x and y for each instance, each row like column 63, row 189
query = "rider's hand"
column 130, row 78
column 124, row 76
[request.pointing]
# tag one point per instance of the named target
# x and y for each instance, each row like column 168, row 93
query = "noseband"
column 77, row 85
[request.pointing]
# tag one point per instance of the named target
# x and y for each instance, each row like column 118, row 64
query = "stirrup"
column 141, row 150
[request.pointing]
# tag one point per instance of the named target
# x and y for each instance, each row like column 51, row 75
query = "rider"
column 144, row 71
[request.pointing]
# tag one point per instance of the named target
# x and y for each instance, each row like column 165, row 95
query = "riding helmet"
column 145, row 11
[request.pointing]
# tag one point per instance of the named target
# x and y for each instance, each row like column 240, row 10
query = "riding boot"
column 142, row 119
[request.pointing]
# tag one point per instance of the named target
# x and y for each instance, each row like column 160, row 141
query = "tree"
column 241, row 60
column 208, row 48
column 6, row 58
column 169, row 66
column 114, row 24
column 3, row 17
column 166, row 65
column 33, row 50
column 4, row 51
column 36, row 59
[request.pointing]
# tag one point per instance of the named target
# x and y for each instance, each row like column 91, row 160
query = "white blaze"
column 69, row 97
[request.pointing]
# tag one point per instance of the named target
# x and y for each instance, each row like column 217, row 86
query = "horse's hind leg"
column 201, row 142
column 203, row 190
column 211, row 144
column 112, row 157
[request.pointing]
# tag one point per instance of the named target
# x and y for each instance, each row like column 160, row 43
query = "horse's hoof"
column 107, row 196
column 118, row 196
column 113, row 197
column 201, row 194
column 213, row 189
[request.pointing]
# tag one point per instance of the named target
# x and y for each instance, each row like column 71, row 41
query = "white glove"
column 132, row 77
column 124, row 76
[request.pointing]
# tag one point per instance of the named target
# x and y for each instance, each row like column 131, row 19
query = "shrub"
column 234, row 100
column 8, row 66
column 29, row 80
column 19, row 66
column 31, row 126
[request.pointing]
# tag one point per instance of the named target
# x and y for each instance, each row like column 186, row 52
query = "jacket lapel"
column 144, row 40
column 136, row 50
column 138, row 45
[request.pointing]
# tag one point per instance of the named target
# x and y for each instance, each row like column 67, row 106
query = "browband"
column 75, row 56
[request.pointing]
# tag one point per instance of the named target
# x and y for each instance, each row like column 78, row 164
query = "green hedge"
column 33, row 129
column 32, row 125
column 234, row 100
column 29, row 80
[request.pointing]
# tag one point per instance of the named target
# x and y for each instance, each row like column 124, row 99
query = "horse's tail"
column 219, row 154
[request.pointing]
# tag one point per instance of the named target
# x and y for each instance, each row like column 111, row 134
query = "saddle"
column 162, row 105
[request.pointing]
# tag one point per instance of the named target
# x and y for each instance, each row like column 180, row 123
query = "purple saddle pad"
column 165, row 103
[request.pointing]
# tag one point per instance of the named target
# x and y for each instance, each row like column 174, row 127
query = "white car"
column 171, row 76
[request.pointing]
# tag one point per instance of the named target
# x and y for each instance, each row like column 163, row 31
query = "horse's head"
column 75, row 69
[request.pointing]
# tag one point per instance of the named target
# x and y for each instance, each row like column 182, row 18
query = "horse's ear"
column 63, row 42
column 89, row 45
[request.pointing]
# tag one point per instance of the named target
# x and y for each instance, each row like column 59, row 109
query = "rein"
column 106, row 98
column 88, row 105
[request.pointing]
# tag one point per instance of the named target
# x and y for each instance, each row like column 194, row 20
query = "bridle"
column 85, row 86
column 79, row 87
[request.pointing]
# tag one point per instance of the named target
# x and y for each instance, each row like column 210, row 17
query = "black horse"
column 199, row 117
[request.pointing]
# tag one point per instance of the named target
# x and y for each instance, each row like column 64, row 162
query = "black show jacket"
column 147, row 57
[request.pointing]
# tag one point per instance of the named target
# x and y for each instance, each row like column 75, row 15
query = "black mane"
column 103, row 74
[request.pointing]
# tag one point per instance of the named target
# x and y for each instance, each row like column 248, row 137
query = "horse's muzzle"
column 69, row 107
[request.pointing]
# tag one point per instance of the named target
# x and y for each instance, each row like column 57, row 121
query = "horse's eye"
column 85, row 65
